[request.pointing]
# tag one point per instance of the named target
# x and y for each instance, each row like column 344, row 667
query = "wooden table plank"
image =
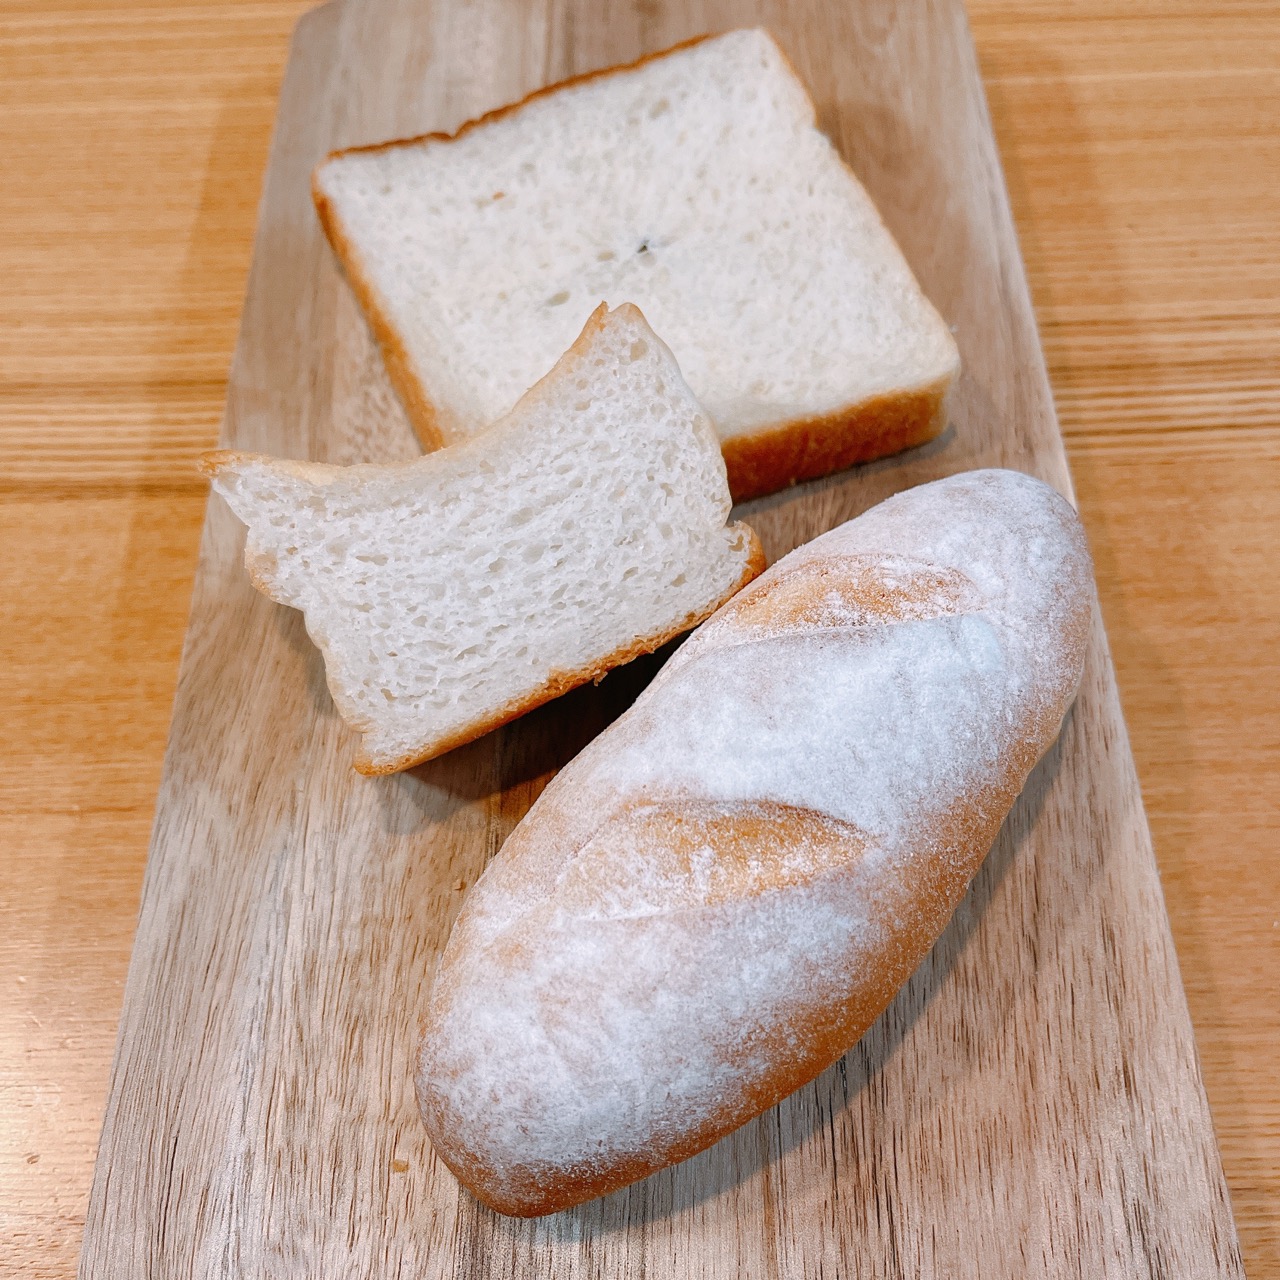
column 1190, row 325
column 1036, row 1079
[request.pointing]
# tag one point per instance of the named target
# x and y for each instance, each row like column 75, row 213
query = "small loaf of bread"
column 713, row 901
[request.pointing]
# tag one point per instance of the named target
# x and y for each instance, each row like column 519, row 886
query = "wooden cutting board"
column 1030, row 1105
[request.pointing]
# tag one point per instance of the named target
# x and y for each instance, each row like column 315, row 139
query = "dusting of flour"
column 690, row 898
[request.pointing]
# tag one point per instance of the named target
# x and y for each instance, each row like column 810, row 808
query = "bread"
column 694, row 184
column 450, row 594
column 717, row 897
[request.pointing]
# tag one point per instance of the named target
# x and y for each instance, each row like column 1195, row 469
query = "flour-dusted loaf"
column 450, row 594
column 713, row 901
column 694, row 184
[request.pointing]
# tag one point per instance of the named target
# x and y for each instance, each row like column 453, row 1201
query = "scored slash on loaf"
column 450, row 594
column 693, row 183
column 714, row 900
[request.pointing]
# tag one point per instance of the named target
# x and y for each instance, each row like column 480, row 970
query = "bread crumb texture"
column 694, row 184
column 449, row 593
column 714, row 900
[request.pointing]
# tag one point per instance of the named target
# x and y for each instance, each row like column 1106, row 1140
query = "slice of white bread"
column 693, row 183
column 455, row 592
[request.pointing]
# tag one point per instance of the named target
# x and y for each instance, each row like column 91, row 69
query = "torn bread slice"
column 693, row 183
column 451, row 594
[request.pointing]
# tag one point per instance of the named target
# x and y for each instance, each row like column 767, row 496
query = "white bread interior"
column 451, row 593
column 694, row 184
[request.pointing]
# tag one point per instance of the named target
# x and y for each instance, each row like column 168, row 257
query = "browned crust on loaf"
column 807, row 448
column 413, row 395
column 931, row 889
column 827, row 1034
column 919, row 895
column 561, row 682
column 212, row 462
column 761, row 462
column 418, row 404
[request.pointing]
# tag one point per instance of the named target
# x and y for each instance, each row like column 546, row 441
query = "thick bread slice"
column 453, row 593
column 694, row 184
column 714, row 900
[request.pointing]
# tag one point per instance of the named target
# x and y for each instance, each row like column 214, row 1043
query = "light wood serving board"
column 1029, row 1106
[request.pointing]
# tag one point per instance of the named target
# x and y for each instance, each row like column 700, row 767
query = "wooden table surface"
column 1141, row 144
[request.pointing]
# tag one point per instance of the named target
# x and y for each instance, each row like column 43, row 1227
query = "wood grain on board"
column 147, row 446
column 1037, row 1080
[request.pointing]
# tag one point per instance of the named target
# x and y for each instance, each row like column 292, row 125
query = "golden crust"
column 916, row 901
column 413, row 395
column 422, row 411
column 932, row 888
column 213, row 462
column 807, row 448
column 561, row 682
column 760, row 462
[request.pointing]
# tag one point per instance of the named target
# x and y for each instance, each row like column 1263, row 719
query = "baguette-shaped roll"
column 717, row 897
